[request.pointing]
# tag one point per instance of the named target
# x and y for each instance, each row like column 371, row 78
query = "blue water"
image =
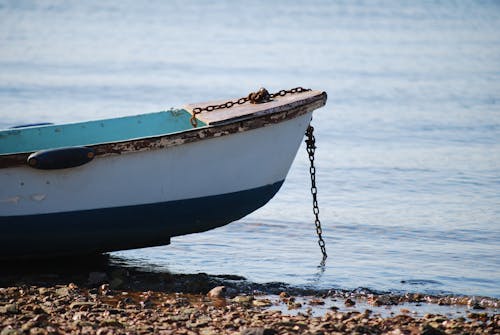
column 408, row 145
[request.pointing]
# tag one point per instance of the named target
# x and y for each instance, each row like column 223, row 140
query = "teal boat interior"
column 42, row 137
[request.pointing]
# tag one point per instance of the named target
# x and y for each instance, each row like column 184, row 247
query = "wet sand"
column 95, row 297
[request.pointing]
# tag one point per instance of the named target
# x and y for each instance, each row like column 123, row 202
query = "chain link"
column 258, row 97
column 311, row 148
column 262, row 96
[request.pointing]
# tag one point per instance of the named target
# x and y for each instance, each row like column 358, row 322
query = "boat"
column 137, row 181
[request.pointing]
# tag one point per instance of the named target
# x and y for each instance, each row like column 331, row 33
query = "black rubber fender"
column 60, row 158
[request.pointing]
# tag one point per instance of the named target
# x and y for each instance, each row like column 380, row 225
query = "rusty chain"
column 311, row 148
column 258, row 97
column 262, row 96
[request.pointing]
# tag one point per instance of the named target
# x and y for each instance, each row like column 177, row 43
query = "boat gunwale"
column 262, row 119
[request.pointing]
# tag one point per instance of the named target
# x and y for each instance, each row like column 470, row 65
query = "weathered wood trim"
column 248, row 122
column 248, row 110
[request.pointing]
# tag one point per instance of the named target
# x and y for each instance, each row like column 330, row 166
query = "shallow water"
column 408, row 145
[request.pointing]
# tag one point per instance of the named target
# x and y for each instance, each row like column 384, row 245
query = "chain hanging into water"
column 258, row 97
column 311, row 148
column 263, row 96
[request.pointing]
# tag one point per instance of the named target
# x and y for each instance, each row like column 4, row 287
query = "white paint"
column 38, row 197
column 11, row 200
column 208, row 167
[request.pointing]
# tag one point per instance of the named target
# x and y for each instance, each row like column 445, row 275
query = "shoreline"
column 122, row 300
column 63, row 309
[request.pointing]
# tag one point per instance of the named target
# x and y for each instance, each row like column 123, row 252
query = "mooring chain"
column 311, row 148
column 262, row 96
column 258, row 97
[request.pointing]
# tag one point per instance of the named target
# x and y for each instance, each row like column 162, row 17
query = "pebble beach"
column 120, row 300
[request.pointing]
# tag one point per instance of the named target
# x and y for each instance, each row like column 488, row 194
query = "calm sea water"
column 408, row 146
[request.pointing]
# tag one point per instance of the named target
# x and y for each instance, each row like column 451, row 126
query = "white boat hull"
column 143, row 198
column 137, row 181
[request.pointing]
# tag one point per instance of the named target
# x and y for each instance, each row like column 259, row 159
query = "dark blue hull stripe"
column 119, row 228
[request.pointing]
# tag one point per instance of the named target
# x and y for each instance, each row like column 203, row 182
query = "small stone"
column 27, row 326
column 262, row 303
column 375, row 302
column 427, row 329
column 111, row 323
column 82, row 323
column 258, row 331
column 316, row 302
column 294, row 305
column 9, row 331
column 62, row 291
column 146, row 304
column 284, row 295
column 203, row 321
column 349, row 302
column 37, row 309
column 11, row 309
column 43, row 291
column 38, row 331
column 104, row 289
column 79, row 316
column 80, row 304
column 72, row 286
column 217, row 292
column 206, row 331
column 477, row 306
column 102, row 331
column 243, row 299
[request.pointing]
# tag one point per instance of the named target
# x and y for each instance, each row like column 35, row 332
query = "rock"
column 111, row 323
column 262, row 303
column 316, row 302
column 103, row 289
column 427, row 329
column 146, row 303
column 217, row 292
column 80, row 304
column 96, row 278
column 243, row 299
column 293, row 305
column 62, row 291
column 36, row 309
column 208, row 331
column 476, row 306
column 9, row 331
column 349, row 302
column 38, row 331
column 375, row 301
column 35, row 323
column 72, row 286
column 284, row 295
column 27, row 326
column 43, row 291
column 202, row 321
column 11, row 309
column 258, row 331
